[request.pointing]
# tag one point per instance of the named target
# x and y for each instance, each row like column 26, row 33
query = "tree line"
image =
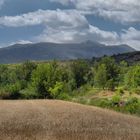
column 56, row 80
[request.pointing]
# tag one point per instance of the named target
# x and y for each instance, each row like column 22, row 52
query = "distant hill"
column 132, row 57
column 49, row 51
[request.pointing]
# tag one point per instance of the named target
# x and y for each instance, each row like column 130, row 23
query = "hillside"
column 58, row 120
column 49, row 51
column 131, row 58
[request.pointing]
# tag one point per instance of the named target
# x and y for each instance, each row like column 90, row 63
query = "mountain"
column 48, row 51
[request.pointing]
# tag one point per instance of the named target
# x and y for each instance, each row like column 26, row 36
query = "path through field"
column 58, row 120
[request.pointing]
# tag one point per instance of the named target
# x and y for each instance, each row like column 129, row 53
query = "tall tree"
column 100, row 78
column 79, row 70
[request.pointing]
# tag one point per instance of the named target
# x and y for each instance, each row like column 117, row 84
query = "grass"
column 59, row 120
column 108, row 99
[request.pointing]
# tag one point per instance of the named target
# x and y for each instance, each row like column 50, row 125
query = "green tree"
column 100, row 78
column 123, row 66
column 45, row 78
column 132, row 78
column 24, row 71
column 79, row 69
column 111, row 71
column 3, row 75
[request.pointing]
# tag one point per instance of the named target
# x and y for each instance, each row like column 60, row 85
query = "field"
column 59, row 120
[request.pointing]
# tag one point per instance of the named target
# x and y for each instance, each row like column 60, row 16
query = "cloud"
column 131, row 37
column 123, row 17
column 60, row 26
column 2, row 45
column 123, row 11
column 22, row 42
column 66, row 26
column 52, row 18
column 72, row 35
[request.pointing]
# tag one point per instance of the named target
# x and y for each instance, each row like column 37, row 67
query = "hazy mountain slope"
column 49, row 51
column 58, row 120
column 131, row 58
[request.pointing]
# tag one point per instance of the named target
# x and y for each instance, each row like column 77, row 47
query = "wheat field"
column 59, row 120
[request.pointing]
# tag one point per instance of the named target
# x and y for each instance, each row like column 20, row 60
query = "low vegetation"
column 103, row 83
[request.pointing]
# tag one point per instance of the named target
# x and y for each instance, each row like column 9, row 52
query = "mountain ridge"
column 61, row 51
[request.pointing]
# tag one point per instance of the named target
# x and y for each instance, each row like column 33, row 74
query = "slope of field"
column 58, row 120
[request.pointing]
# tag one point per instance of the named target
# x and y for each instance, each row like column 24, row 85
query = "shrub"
column 105, row 103
column 132, row 100
column 4, row 94
column 132, row 105
column 120, row 91
column 29, row 94
column 56, row 90
column 137, row 90
column 116, row 99
column 82, row 100
column 64, row 96
column 14, row 90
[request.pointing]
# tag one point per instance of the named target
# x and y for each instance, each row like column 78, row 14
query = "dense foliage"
column 64, row 80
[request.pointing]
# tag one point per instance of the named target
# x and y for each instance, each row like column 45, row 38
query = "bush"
column 29, row 94
column 56, row 91
column 4, row 94
column 14, row 90
column 132, row 105
column 120, row 91
column 82, row 100
column 132, row 100
column 116, row 99
column 64, row 96
column 105, row 103
column 137, row 90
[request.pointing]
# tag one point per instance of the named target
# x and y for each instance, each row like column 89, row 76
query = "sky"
column 70, row 21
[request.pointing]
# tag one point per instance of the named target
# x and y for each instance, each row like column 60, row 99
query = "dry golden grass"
column 58, row 120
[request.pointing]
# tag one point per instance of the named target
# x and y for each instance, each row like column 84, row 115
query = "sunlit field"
column 59, row 120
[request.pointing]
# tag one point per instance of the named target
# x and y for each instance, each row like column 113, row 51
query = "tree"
column 3, row 74
column 132, row 77
column 79, row 70
column 45, row 78
column 109, row 70
column 25, row 70
column 101, row 76
column 123, row 66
